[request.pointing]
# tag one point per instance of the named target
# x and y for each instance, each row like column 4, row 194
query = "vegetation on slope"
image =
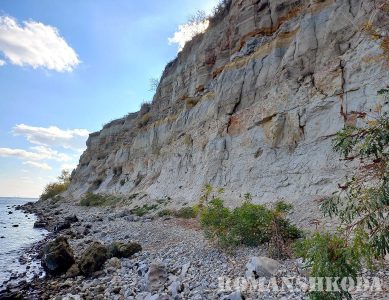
column 249, row 224
column 53, row 190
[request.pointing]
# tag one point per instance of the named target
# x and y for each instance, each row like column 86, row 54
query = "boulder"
column 71, row 219
column 93, row 258
column 40, row 224
column 156, row 277
column 261, row 267
column 57, row 256
column 123, row 250
column 73, row 271
column 66, row 223
column 113, row 262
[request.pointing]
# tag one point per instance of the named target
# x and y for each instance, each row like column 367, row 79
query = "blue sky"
column 96, row 68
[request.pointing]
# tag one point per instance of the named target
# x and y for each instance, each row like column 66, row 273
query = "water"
column 14, row 241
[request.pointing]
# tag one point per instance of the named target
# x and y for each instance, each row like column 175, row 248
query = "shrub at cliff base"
column 90, row 199
column 250, row 224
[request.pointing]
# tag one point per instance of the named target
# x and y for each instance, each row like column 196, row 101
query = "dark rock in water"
column 40, row 224
column 15, row 225
column 2, row 237
column 93, row 258
column 123, row 250
column 62, row 226
column 57, row 256
column 10, row 212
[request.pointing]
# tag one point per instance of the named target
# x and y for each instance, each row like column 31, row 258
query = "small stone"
column 261, row 267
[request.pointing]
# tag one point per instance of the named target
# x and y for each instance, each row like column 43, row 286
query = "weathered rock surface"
column 123, row 250
column 57, row 256
column 250, row 106
column 156, row 277
column 93, row 258
column 261, row 267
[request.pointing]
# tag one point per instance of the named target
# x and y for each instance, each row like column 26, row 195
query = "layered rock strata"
column 250, row 106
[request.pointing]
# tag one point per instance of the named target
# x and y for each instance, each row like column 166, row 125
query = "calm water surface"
column 16, row 235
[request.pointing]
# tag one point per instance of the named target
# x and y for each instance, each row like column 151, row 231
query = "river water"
column 16, row 236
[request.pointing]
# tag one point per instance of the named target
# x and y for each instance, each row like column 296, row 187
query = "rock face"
column 57, row 256
column 250, row 106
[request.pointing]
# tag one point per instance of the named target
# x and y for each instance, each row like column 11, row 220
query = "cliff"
column 251, row 106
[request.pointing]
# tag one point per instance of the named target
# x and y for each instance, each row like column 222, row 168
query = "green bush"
column 165, row 212
column 329, row 255
column 183, row 213
column 146, row 208
column 250, row 224
column 52, row 190
column 90, row 199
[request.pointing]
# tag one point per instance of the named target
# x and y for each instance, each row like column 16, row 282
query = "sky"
column 68, row 67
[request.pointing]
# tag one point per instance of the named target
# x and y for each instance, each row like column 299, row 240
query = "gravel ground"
column 190, row 265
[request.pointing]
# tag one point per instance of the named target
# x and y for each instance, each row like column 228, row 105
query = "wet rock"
column 57, row 256
column 93, row 258
column 123, row 250
column 40, row 224
column 261, row 267
column 62, row 226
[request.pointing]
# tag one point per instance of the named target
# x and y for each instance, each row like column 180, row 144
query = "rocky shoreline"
column 176, row 262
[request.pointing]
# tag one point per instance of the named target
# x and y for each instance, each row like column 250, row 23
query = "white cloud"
column 35, row 44
column 69, row 167
column 186, row 32
column 2, row 63
column 38, row 153
column 49, row 153
column 53, row 136
column 43, row 166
